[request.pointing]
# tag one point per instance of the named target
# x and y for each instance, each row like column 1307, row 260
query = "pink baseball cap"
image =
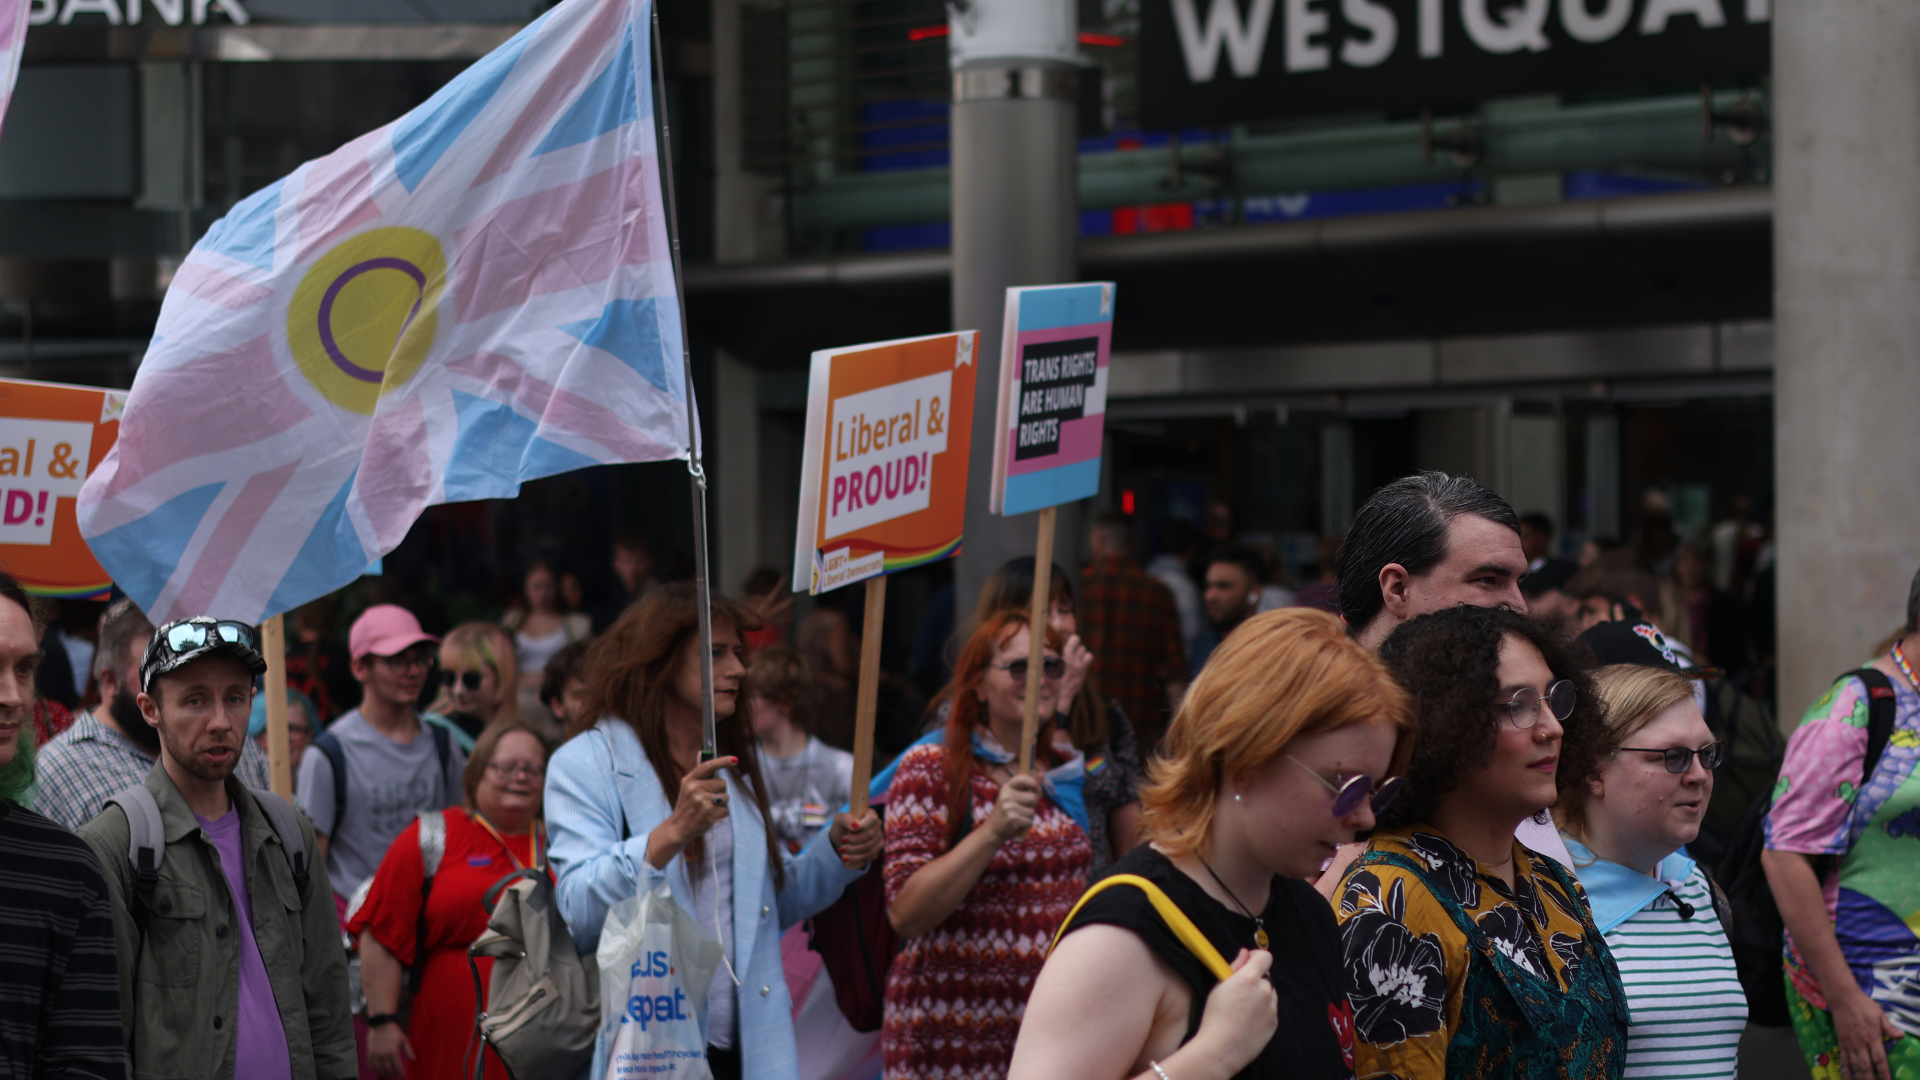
column 385, row 630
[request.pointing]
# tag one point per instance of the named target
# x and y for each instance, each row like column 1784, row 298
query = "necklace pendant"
column 1260, row 936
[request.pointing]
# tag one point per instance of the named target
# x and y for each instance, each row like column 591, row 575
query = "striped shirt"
column 1688, row 1008
column 59, row 985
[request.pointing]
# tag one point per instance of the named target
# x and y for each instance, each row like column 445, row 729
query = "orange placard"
column 52, row 437
column 883, row 481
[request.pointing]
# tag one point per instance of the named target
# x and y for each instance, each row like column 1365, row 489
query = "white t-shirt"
column 804, row 790
column 387, row 784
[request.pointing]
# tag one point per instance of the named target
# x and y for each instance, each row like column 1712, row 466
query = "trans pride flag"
column 478, row 294
column 13, row 41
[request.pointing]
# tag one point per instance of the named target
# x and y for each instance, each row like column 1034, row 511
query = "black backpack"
column 1756, row 927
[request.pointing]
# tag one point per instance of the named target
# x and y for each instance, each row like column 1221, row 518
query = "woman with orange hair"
column 1286, row 745
column 982, row 863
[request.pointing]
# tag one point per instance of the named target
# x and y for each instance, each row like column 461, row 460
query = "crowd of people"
column 1450, row 807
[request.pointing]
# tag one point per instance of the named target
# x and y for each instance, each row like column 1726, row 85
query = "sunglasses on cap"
column 468, row 679
column 1052, row 667
column 1679, row 759
column 1347, row 794
column 188, row 636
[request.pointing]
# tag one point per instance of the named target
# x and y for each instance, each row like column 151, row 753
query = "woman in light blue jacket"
column 628, row 805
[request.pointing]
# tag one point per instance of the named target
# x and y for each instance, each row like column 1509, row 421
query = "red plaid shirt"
column 1130, row 623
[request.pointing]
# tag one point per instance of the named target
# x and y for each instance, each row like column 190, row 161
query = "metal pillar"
column 1015, row 217
column 1846, row 314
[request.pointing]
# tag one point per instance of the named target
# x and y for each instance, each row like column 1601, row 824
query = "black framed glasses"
column 1052, row 667
column 468, row 679
column 188, row 636
column 1679, row 759
column 1348, row 793
column 1524, row 707
column 408, row 660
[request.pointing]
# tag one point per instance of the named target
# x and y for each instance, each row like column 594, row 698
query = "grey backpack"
column 147, row 841
column 542, row 1011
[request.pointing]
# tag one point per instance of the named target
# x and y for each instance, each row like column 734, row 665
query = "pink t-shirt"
column 260, row 1037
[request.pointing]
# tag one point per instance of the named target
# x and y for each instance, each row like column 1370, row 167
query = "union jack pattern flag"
column 478, row 294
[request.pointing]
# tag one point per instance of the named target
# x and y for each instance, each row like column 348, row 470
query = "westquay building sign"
column 1213, row 62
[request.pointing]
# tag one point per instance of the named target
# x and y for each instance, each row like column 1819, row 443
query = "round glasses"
column 516, row 770
column 1052, row 667
column 1524, row 707
column 468, row 679
column 1348, row 793
column 1679, row 759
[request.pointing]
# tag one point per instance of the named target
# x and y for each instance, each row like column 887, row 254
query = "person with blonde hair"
column 1290, row 740
column 1626, row 828
column 478, row 683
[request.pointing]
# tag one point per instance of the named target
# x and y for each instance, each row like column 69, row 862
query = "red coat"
column 441, row 1025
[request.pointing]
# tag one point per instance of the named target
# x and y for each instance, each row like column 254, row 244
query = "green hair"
column 16, row 776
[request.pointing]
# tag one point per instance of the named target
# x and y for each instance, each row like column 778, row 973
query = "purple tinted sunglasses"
column 1347, row 795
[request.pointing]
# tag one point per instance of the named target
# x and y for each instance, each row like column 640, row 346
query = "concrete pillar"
column 1015, row 218
column 736, row 446
column 748, row 214
column 1846, row 233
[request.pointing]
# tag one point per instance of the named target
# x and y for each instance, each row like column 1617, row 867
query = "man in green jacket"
column 230, row 964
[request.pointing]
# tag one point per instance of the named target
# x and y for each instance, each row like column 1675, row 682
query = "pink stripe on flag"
column 566, row 77
column 207, row 405
column 230, row 537
column 561, row 409
column 338, row 193
column 1079, row 441
column 396, row 475
column 559, row 239
column 218, row 287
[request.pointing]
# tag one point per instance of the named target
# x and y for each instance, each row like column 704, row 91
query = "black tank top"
column 1314, row 1039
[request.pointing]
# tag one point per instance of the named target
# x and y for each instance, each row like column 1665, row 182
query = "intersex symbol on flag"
column 478, row 294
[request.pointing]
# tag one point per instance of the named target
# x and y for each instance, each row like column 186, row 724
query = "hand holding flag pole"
column 709, row 742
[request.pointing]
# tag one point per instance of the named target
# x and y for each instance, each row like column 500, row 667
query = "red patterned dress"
column 955, row 995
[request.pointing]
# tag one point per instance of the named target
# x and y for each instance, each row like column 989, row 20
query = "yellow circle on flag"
column 362, row 320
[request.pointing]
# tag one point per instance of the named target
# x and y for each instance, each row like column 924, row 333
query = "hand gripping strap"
column 1176, row 920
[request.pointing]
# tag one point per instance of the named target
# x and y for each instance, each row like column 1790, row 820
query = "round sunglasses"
column 468, row 679
column 1524, row 707
column 1679, row 759
column 1052, row 667
column 1348, row 793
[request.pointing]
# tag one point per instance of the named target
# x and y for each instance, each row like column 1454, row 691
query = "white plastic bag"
column 656, row 964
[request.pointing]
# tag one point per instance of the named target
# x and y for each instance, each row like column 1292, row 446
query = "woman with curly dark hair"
column 1467, row 953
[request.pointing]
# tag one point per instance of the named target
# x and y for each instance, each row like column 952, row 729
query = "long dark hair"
column 965, row 714
column 629, row 674
column 1010, row 588
column 1450, row 661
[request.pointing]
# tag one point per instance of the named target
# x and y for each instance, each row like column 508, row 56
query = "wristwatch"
column 382, row 1019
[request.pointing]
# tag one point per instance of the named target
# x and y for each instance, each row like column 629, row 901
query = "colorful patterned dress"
column 1873, row 889
column 955, row 995
column 1452, row 973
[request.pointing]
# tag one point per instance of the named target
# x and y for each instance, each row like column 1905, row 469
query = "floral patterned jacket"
column 1406, row 959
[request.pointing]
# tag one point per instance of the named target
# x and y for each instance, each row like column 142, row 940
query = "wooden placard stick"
column 1037, row 636
column 273, row 642
column 869, row 699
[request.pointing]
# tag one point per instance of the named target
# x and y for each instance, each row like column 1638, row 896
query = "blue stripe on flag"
column 331, row 557
column 1051, row 487
column 1072, row 305
column 246, row 233
column 544, row 458
column 421, row 136
column 610, row 101
column 497, row 448
column 630, row 330
column 148, row 549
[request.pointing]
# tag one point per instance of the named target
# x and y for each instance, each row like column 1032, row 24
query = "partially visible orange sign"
column 883, row 481
column 51, row 437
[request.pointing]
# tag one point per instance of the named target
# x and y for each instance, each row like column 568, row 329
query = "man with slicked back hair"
column 1426, row 542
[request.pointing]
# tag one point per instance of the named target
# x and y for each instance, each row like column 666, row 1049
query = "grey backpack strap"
column 286, row 825
column 433, row 840
column 146, row 844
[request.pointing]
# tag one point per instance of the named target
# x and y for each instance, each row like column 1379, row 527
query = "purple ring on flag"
column 333, row 292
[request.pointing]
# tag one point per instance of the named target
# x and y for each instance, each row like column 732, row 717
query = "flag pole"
column 273, row 642
column 709, row 748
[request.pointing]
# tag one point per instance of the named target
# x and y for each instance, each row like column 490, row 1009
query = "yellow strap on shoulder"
column 1176, row 920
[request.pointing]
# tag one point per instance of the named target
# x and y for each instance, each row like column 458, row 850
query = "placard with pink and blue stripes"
column 1053, row 395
